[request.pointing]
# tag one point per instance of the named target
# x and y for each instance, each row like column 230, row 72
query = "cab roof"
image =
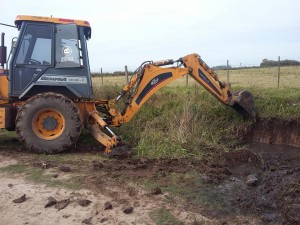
column 21, row 18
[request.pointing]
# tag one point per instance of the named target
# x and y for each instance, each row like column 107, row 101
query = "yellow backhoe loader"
column 46, row 87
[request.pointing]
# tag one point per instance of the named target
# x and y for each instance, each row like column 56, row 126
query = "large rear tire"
column 49, row 123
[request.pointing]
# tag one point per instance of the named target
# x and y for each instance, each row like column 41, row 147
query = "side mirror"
column 13, row 42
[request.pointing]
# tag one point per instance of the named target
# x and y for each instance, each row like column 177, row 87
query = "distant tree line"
column 221, row 67
column 286, row 62
column 115, row 73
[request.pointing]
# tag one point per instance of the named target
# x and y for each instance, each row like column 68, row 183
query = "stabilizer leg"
column 114, row 146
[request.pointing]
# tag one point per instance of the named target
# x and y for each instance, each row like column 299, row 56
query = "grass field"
column 253, row 77
column 263, row 77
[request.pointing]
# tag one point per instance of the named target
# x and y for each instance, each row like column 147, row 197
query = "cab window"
column 67, row 46
column 36, row 45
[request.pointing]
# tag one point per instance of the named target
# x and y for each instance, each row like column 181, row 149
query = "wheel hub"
column 48, row 124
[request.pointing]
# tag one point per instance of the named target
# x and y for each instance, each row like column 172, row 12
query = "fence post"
column 101, row 76
column 187, row 80
column 126, row 74
column 278, row 71
column 227, row 71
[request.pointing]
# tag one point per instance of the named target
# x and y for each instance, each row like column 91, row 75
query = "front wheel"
column 49, row 123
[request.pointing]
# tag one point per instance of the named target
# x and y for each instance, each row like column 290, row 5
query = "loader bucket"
column 243, row 103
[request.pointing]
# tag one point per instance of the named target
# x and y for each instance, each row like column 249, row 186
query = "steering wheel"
column 34, row 61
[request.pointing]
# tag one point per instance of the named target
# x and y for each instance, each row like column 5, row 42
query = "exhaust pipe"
column 2, row 51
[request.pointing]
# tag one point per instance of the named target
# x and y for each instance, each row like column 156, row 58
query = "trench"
column 275, row 131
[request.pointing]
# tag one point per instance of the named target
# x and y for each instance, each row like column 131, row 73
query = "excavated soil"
column 276, row 131
column 257, row 185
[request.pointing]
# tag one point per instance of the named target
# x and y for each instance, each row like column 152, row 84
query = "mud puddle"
column 274, row 149
column 266, row 182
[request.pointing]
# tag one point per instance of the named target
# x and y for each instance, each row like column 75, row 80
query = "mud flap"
column 243, row 103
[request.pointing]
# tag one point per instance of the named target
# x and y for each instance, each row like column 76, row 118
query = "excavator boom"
column 152, row 76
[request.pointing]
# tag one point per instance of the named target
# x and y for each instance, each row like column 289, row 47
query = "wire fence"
column 264, row 77
column 274, row 76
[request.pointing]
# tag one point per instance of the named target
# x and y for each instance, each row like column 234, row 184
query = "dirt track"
column 102, row 188
column 215, row 191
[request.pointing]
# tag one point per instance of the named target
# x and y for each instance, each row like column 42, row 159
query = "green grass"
column 9, row 139
column 14, row 169
column 7, row 135
column 193, row 190
column 37, row 175
column 71, row 156
column 263, row 77
column 162, row 216
column 187, row 125
column 278, row 102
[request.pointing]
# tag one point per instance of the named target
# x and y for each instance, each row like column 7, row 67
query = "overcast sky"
column 128, row 32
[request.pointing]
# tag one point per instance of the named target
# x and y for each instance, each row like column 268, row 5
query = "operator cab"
column 50, row 55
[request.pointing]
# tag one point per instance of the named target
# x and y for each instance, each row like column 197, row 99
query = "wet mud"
column 259, row 184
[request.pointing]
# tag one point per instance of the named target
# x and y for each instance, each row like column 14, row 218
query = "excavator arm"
column 152, row 76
